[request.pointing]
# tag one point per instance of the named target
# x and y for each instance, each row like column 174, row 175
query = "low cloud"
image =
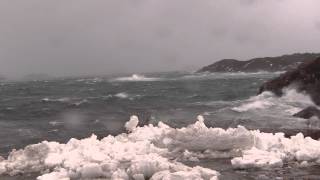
column 80, row 37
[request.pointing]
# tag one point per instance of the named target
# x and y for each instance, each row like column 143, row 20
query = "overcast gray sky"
column 80, row 37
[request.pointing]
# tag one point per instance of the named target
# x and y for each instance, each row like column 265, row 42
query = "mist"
column 81, row 37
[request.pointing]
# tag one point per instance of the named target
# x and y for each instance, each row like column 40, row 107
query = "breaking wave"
column 124, row 95
column 153, row 152
column 67, row 100
column 291, row 102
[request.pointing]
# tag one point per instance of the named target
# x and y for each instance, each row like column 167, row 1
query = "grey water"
column 64, row 108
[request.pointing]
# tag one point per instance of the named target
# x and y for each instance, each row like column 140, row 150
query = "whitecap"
column 63, row 99
column 122, row 95
column 136, row 77
column 78, row 103
column 55, row 123
column 90, row 80
column 45, row 99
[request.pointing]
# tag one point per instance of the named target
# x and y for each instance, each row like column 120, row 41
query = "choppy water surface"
column 57, row 110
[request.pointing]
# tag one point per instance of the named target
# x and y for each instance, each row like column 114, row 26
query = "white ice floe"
column 126, row 156
column 151, row 152
column 271, row 150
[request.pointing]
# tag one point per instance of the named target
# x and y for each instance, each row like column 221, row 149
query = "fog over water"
column 80, row 37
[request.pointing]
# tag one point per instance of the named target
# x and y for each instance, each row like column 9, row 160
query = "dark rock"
column 270, row 64
column 308, row 112
column 306, row 78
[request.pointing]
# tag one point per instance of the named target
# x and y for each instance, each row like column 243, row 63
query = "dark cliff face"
column 271, row 64
column 306, row 78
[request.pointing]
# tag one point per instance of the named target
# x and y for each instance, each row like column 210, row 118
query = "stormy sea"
column 176, row 125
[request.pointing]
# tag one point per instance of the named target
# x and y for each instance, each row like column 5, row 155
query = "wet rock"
column 308, row 112
column 270, row 64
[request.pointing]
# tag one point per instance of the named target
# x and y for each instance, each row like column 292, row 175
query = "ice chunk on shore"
column 126, row 156
column 132, row 123
column 194, row 173
column 150, row 152
column 198, row 137
column 271, row 150
column 112, row 157
column 257, row 158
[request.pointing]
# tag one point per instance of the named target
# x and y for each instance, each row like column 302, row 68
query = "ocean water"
column 60, row 109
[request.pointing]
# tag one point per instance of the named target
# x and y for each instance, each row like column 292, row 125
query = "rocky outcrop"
column 270, row 64
column 305, row 78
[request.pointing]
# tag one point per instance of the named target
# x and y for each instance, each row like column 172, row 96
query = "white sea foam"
column 291, row 102
column 136, row 77
column 90, row 80
column 257, row 102
column 62, row 100
column 122, row 95
column 149, row 152
column 55, row 123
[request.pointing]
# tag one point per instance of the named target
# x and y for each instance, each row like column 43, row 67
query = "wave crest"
column 291, row 102
column 136, row 77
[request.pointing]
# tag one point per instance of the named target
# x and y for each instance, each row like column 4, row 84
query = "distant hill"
column 270, row 64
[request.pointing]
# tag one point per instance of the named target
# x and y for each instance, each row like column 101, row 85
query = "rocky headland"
column 270, row 64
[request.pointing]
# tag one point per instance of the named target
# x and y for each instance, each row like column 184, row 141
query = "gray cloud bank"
column 81, row 37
